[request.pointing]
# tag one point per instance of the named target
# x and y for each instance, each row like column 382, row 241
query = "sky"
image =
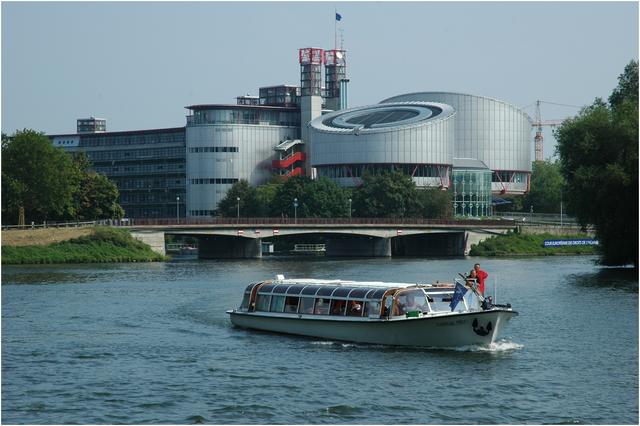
column 139, row 64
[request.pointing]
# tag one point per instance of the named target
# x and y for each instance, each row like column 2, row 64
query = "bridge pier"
column 435, row 244
column 228, row 247
column 357, row 246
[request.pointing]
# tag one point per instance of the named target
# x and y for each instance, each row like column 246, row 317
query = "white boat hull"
column 453, row 330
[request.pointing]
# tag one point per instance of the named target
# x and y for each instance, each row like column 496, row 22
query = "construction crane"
column 538, row 139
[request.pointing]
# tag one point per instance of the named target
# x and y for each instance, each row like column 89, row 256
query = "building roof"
column 469, row 163
column 236, row 106
column 123, row 133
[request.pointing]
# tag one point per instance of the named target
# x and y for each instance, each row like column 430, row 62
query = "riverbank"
column 85, row 245
column 516, row 244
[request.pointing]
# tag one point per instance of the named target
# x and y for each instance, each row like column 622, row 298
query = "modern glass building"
column 471, row 187
column 287, row 130
column 490, row 130
column 415, row 137
column 147, row 166
column 226, row 143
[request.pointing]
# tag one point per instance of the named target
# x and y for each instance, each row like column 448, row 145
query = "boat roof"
column 312, row 281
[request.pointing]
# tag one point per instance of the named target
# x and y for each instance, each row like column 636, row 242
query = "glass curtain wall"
column 471, row 192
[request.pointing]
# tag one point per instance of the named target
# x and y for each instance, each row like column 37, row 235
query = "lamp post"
column 238, row 200
column 561, row 209
column 531, row 215
column 349, row 209
column 295, row 210
column 178, row 209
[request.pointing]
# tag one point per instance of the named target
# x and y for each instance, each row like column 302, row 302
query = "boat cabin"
column 351, row 299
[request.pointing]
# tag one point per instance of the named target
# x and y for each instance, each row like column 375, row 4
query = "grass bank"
column 513, row 244
column 101, row 245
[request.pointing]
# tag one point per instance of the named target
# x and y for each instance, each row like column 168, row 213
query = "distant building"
column 147, row 166
column 226, row 143
column 91, row 125
column 471, row 145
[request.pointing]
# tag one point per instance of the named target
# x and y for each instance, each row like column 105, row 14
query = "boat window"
column 441, row 302
column 295, row 289
column 372, row 309
column 266, row 288
column 386, row 308
column 280, row 289
column 310, row 289
column 262, row 302
column 342, row 291
column 354, row 308
column 359, row 293
column 338, row 307
column 370, row 293
column 378, row 294
column 249, row 287
column 326, row 291
column 277, row 304
column 410, row 301
column 245, row 300
column 321, row 306
column 291, row 304
column 306, row 305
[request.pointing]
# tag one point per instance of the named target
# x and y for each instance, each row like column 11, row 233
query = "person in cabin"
column 472, row 278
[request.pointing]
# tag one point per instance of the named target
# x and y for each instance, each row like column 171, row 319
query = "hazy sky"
column 139, row 64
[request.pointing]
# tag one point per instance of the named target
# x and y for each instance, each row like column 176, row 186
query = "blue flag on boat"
column 458, row 294
column 338, row 16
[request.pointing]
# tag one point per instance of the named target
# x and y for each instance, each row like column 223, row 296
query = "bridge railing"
column 255, row 221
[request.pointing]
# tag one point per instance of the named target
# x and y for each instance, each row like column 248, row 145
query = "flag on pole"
column 458, row 294
column 338, row 16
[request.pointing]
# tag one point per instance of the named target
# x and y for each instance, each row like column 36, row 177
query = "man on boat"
column 481, row 276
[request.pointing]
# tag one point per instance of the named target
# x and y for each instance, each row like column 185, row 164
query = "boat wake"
column 497, row 347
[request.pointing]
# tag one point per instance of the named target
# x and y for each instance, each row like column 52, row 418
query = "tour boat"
column 425, row 315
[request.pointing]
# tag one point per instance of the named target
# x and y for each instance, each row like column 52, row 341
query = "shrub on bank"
column 103, row 245
column 528, row 244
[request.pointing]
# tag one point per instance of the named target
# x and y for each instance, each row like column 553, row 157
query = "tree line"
column 51, row 184
column 388, row 194
column 596, row 175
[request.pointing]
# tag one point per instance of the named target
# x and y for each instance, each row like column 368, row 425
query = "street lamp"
column 178, row 209
column 349, row 209
column 561, row 209
column 295, row 210
column 238, row 200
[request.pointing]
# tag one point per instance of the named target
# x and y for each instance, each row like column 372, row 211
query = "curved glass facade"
column 225, row 145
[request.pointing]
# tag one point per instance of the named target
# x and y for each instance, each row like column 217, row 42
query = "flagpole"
column 335, row 29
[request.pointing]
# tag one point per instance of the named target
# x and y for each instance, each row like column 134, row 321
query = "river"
column 151, row 343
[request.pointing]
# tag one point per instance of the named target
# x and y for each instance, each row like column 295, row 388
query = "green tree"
column 292, row 188
column 249, row 206
column 546, row 188
column 599, row 161
column 435, row 203
column 96, row 197
column 388, row 194
column 325, row 198
column 266, row 194
column 36, row 176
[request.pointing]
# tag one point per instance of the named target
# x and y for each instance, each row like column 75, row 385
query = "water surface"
column 151, row 343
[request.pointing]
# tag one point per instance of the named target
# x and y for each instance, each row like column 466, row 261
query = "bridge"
column 220, row 238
